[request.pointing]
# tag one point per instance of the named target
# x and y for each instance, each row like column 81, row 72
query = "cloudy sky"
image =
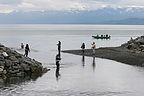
column 8, row 6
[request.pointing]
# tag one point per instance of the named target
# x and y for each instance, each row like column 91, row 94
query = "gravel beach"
column 128, row 53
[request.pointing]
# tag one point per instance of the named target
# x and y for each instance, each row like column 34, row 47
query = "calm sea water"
column 79, row 76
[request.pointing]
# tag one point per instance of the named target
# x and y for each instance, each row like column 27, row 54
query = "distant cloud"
column 6, row 11
column 63, row 5
column 26, row 5
column 56, row 4
column 11, row 2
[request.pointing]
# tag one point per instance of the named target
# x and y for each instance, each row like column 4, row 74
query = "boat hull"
column 97, row 37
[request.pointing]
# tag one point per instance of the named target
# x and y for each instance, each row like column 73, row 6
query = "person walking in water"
column 57, row 60
column 93, row 48
column 22, row 46
column 57, row 66
column 27, row 49
column 83, row 47
column 59, row 47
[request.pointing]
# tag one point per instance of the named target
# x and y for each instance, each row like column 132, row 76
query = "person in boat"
column 27, row 50
column 93, row 48
column 59, row 47
column 101, row 35
column 97, row 36
column 57, row 61
column 83, row 47
column 104, row 36
column 107, row 35
column 22, row 46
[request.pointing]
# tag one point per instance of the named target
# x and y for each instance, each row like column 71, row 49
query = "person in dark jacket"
column 27, row 49
column 58, row 60
column 83, row 47
column 59, row 47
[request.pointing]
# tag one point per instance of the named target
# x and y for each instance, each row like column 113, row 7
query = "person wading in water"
column 27, row 49
column 58, row 60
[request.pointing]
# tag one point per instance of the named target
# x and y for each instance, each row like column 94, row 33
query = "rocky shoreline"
column 13, row 64
column 131, row 52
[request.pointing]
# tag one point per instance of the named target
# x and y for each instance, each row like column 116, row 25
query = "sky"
column 8, row 6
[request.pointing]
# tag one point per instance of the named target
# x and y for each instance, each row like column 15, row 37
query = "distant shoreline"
column 66, row 24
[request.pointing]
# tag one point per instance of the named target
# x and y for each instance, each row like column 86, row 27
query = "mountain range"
column 128, row 16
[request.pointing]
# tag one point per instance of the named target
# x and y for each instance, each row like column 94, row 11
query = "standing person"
column 59, row 47
column 93, row 48
column 57, row 61
column 27, row 49
column 83, row 47
column 22, row 46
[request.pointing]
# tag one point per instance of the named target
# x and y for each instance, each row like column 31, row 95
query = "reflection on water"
column 93, row 64
column 83, row 60
column 58, row 59
column 16, row 80
column 58, row 75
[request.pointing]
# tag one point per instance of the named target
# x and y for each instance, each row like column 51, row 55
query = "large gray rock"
column 135, row 45
column 2, row 63
column 16, row 64
column 14, row 71
column 1, row 45
column 1, row 58
column 3, row 48
column 25, row 67
column 141, row 41
column 8, row 63
column 13, row 58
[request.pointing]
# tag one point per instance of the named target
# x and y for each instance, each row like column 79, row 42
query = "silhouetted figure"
column 93, row 64
column 57, row 66
column 107, row 35
column 59, row 47
column 27, row 49
column 83, row 47
column 58, row 60
column 83, row 60
column 93, row 48
column 22, row 46
column 101, row 35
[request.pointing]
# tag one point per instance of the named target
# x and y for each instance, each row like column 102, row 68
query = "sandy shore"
column 119, row 54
